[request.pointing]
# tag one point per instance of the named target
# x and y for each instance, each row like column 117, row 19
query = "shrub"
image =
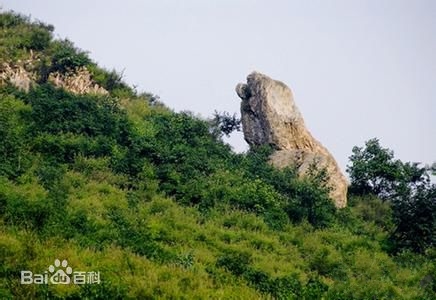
column 84, row 177
column 372, row 209
column 407, row 187
column 66, row 57
column 87, row 115
column 310, row 199
column 224, row 123
column 374, row 170
column 12, row 19
column 25, row 205
column 235, row 262
column 37, row 39
column 13, row 154
column 112, row 81
column 415, row 219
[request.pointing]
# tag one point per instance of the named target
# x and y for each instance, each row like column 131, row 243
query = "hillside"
column 113, row 181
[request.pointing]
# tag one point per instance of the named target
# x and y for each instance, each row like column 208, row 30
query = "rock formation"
column 78, row 81
column 270, row 117
column 17, row 75
column 23, row 75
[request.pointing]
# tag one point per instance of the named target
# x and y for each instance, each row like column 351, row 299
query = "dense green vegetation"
column 407, row 188
column 162, row 208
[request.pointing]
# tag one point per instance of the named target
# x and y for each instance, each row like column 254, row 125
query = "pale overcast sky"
column 358, row 69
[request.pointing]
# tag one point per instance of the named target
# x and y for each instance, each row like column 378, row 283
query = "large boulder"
column 271, row 117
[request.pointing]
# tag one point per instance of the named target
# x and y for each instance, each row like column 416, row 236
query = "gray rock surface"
column 270, row 117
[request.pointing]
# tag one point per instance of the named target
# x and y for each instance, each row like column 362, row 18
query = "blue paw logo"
column 61, row 272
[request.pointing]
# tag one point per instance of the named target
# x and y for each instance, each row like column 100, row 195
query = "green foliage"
column 12, row 135
column 373, row 209
column 408, row 189
column 311, row 201
column 112, row 81
column 19, row 34
column 66, row 57
column 285, row 287
column 235, row 262
column 374, row 170
column 12, row 19
column 432, row 169
column 86, row 115
column 22, row 39
column 224, row 123
column 157, row 203
column 38, row 39
column 415, row 219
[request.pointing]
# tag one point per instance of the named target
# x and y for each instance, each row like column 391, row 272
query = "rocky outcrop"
column 78, row 81
column 271, row 117
column 17, row 76
column 23, row 74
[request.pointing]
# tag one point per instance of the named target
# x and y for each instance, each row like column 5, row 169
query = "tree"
column 414, row 215
column 224, row 123
column 406, row 186
column 374, row 170
column 310, row 199
column 66, row 57
column 432, row 169
column 13, row 149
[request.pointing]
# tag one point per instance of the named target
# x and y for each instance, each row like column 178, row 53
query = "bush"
column 112, row 81
column 235, row 262
column 374, row 170
column 407, row 187
column 310, row 200
column 372, row 209
column 75, row 114
column 37, row 39
column 66, row 57
column 13, row 155
column 12, row 19
column 415, row 219
column 224, row 123
column 25, row 205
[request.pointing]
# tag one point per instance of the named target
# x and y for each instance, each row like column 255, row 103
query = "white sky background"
column 358, row 69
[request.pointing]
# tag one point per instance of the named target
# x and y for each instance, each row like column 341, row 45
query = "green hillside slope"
column 156, row 203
